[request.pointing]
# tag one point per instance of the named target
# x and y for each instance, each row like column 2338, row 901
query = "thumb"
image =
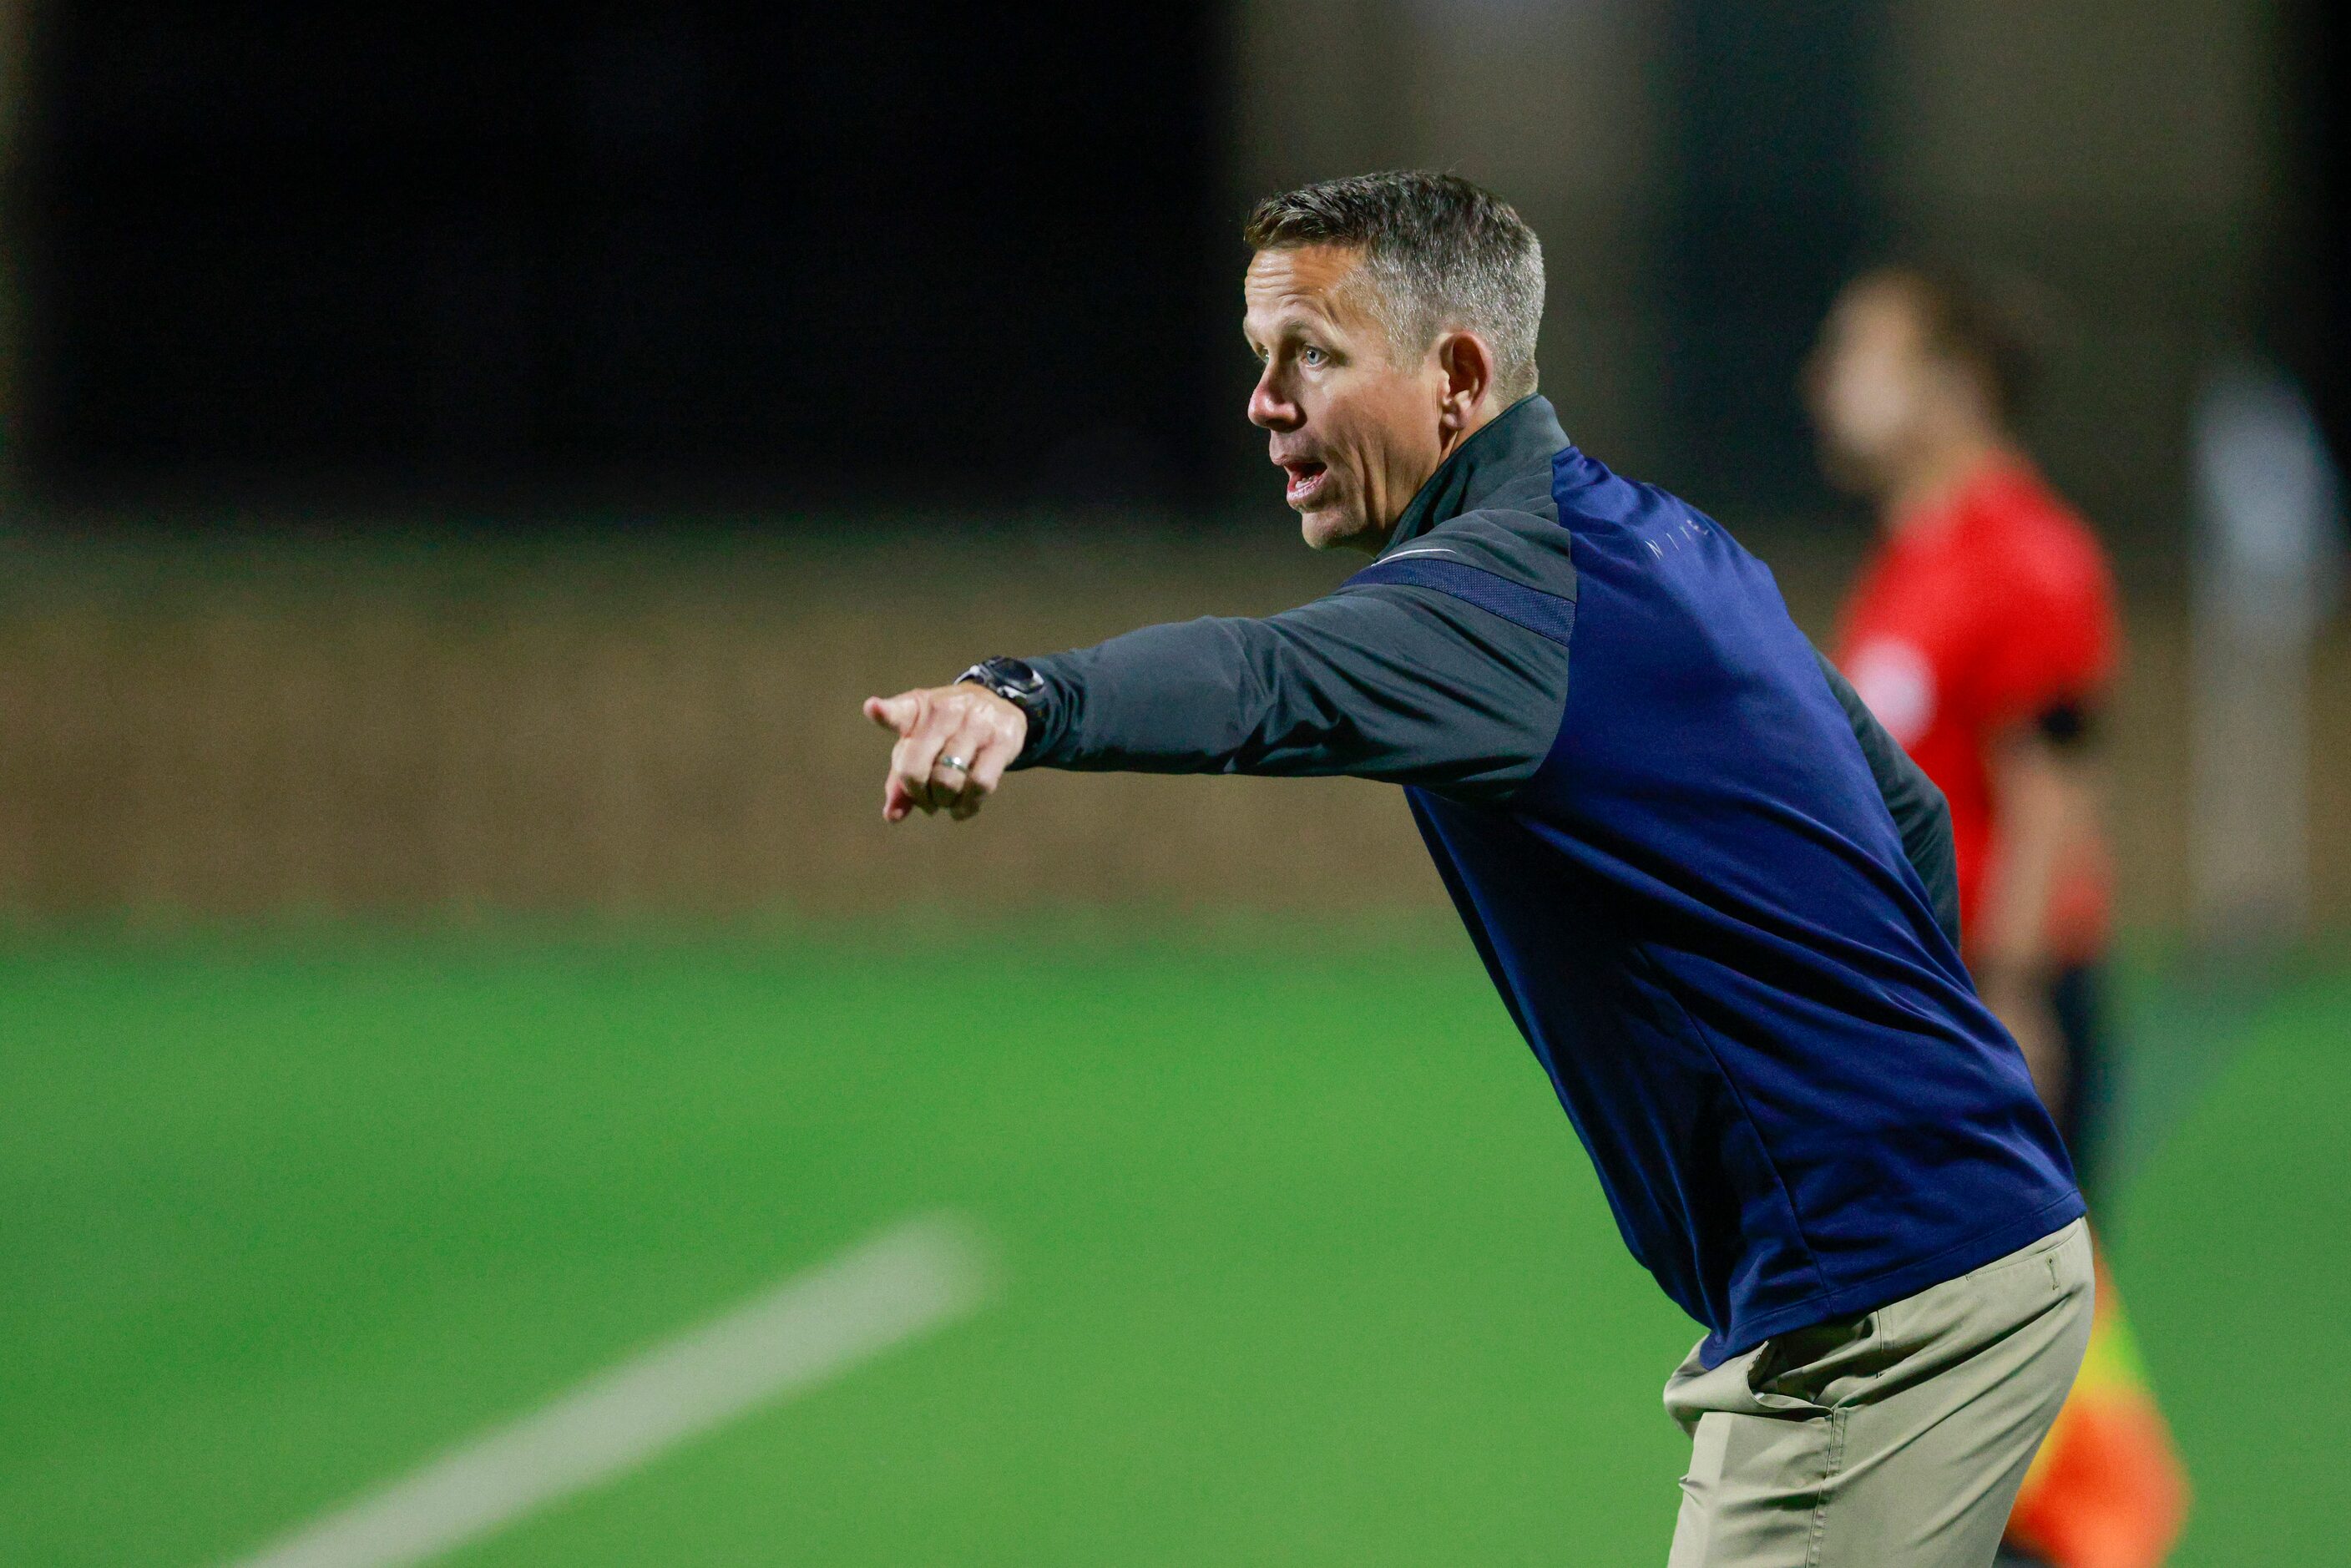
column 897, row 713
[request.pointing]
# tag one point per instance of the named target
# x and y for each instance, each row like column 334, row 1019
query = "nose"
column 1269, row 408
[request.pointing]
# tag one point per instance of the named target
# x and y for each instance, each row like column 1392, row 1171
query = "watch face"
column 1010, row 679
column 1013, row 679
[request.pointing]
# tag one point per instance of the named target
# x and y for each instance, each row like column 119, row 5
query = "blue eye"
column 1311, row 356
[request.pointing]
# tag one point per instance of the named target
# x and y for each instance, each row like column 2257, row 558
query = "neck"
column 1447, row 444
column 1477, row 459
column 1928, row 480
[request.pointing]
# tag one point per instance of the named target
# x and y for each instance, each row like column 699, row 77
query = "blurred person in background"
column 1983, row 634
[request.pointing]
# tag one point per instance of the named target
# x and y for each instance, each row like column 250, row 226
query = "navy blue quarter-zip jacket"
column 1715, row 896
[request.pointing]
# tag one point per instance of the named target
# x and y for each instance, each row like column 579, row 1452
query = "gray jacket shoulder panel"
column 1523, row 542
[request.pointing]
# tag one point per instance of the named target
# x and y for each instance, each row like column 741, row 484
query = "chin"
column 1330, row 530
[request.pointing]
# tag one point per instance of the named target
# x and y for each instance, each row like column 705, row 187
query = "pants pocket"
column 1828, row 1364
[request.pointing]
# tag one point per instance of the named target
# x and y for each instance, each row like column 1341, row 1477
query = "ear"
column 1467, row 365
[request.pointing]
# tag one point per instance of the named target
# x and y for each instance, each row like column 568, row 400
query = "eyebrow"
column 1288, row 318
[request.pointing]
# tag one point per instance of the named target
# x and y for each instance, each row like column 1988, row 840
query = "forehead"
column 1881, row 311
column 1309, row 280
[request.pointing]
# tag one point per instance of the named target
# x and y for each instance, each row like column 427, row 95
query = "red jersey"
column 1993, row 609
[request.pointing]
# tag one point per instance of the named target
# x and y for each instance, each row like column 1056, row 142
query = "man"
column 1715, row 897
column 1983, row 634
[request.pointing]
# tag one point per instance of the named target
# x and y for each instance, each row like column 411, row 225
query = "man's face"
column 1356, row 433
column 1869, row 383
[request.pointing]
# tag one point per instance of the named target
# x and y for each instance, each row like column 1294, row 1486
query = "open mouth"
column 1306, row 481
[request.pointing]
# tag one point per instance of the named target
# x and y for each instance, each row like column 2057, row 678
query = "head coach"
column 1717, row 899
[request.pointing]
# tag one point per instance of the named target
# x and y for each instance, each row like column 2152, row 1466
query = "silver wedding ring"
column 957, row 763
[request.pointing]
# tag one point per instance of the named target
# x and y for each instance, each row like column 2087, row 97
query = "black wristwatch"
column 1015, row 682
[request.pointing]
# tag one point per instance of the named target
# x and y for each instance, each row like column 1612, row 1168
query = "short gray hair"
column 1440, row 253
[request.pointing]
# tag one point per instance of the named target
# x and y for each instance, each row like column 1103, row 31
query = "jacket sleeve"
column 1386, row 681
column 1920, row 809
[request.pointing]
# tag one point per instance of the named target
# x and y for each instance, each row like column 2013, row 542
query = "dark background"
column 863, row 257
column 890, row 251
column 2307, row 320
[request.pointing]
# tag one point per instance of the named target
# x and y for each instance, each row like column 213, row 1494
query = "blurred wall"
column 615, row 728
column 698, row 217
column 620, row 727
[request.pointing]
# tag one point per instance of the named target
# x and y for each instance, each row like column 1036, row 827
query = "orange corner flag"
column 2106, row 1489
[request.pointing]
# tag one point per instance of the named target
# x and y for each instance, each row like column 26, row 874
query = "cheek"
column 1374, row 418
column 1336, row 418
column 1869, row 400
column 1411, row 435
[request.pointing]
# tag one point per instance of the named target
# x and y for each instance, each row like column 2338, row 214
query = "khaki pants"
column 1896, row 1439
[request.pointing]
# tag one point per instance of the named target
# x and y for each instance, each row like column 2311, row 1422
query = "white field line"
column 912, row 1277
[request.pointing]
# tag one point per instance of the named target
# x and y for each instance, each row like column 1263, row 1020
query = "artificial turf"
column 1299, row 1260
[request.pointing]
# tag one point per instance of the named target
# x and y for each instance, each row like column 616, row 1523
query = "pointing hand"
column 954, row 745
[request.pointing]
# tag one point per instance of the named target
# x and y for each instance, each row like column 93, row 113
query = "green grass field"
column 1299, row 1262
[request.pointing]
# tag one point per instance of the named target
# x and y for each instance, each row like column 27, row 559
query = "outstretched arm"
column 1384, row 680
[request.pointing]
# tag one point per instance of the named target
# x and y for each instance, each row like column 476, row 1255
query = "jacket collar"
column 1524, row 433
